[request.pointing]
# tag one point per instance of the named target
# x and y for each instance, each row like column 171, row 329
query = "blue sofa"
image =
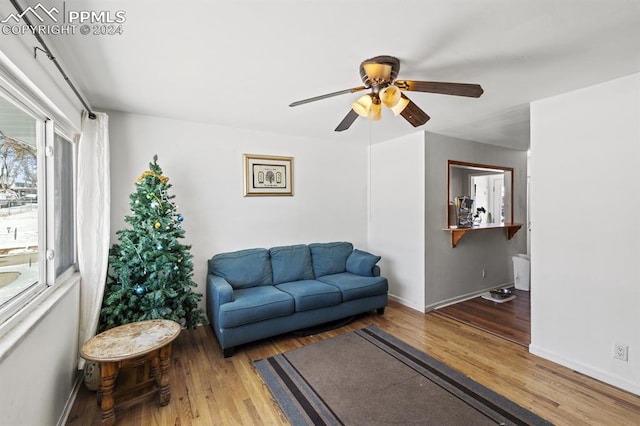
column 258, row 293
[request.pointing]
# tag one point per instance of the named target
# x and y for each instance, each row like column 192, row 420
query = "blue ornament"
column 180, row 218
column 159, row 246
column 154, row 205
column 139, row 290
column 175, row 268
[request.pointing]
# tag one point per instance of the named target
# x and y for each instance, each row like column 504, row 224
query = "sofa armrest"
column 375, row 271
column 219, row 292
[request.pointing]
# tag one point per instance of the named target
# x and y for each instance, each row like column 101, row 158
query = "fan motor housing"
column 379, row 71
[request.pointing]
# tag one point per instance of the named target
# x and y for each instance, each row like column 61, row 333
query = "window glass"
column 64, row 241
column 19, row 242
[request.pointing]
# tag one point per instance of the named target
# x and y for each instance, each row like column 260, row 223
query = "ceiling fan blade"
column 328, row 95
column 457, row 89
column 413, row 114
column 347, row 121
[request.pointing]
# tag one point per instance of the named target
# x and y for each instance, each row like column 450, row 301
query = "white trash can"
column 522, row 271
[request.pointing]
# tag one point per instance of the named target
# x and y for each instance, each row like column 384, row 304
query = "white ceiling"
column 241, row 63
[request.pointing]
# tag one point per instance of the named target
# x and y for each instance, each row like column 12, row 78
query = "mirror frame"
column 463, row 164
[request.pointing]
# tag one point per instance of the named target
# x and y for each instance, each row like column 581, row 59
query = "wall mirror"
column 490, row 187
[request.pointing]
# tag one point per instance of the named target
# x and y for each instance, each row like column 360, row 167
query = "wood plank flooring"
column 510, row 320
column 207, row 389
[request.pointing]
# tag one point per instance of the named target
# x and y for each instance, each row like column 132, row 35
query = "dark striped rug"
column 368, row 377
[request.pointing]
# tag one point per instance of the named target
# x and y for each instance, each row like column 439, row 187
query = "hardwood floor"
column 510, row 320
column 207, row 389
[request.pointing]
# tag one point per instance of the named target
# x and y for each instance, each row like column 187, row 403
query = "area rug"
column 369, row 377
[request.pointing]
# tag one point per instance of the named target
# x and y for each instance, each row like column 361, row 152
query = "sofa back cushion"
column 244, row 268
column 291, row 263
column 330, row 258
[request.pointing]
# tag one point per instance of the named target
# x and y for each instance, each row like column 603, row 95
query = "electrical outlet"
column 620, row 352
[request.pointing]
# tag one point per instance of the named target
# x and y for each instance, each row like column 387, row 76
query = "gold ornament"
column 157, row 225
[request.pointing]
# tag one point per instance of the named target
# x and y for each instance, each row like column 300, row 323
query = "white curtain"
column 93, row 214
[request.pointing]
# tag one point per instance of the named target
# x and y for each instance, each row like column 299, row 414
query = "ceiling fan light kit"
column 390, row 96
column 379, row 75
column 363, row 105
column 368, row 106
column 400, row 106
column 375, row 113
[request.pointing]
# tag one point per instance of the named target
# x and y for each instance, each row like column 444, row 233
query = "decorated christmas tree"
column 149, row 269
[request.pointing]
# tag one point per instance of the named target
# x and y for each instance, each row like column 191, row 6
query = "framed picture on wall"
column 267, row 175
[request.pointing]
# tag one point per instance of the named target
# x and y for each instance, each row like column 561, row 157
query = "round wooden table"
column 132, row 345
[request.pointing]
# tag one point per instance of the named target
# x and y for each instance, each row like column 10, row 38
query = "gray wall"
column 456, row 273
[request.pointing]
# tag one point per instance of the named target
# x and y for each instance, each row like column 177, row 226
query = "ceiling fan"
column 379, row 75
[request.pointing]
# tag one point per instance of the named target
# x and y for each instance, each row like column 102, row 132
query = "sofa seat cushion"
column 255, row 304
column 311, row 294
column 355, row 286
column 291, row 263
column 330, row 258
column 244, row 268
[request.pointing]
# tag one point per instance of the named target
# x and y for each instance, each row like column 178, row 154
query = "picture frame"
column 268, row 175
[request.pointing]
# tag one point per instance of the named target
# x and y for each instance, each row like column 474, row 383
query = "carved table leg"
column 163, row 379
column 99, row 394
column 107, row 381
column 155, row 368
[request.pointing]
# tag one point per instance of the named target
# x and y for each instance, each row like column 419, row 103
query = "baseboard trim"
column 64, row 417
column 587, row 370
column 462, row 298
column 447, row 302
column 407, row 303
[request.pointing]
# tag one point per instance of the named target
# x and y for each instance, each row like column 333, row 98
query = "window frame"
column 53, row 130
column 49, row 123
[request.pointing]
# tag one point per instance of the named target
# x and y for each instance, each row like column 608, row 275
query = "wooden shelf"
column 458, row 233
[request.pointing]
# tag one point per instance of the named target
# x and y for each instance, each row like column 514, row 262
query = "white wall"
column 396, row 216
column 39, row 345
column 38, row 360
column 205, row 166
column 456, row 273
column 585, row 229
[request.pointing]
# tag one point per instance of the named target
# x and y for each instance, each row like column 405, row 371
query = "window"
column 19, row 236
column 64, row 218
column 37, row 221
